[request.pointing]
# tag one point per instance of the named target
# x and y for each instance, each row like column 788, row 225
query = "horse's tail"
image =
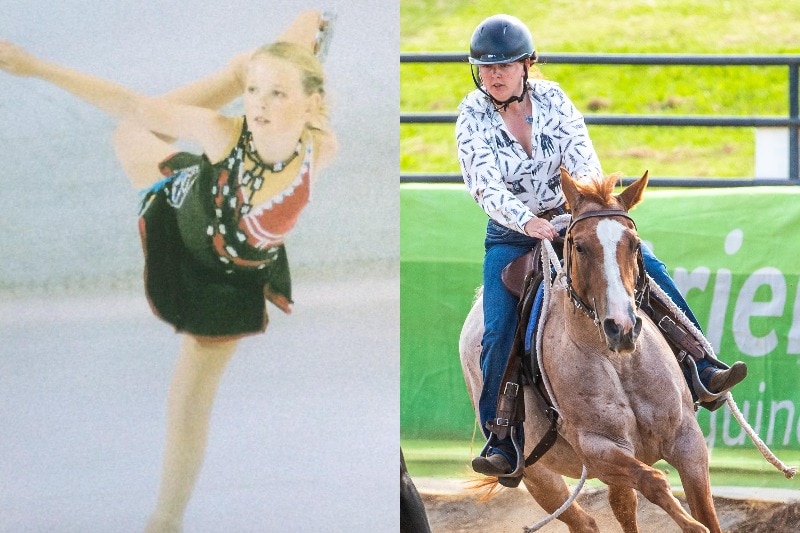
column 485, row 487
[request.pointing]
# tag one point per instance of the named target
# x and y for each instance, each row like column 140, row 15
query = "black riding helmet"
column 500, row 39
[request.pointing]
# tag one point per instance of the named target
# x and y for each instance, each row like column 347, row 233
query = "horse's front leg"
column 550, row 492
column 624, row 504
column 690, row 459
column 697, row 487
column 613, row 464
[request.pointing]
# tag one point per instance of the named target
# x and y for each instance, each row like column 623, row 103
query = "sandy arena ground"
column 452, row 508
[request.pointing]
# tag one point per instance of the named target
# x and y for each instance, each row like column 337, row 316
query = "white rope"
column 788, row 471
column 550, row 259
column 547, row 284
column 564, row 506
column 677, row 312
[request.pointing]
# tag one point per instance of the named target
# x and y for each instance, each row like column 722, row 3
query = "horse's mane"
column 598, row 189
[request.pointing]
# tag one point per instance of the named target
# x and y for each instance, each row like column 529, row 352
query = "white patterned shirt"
column 510, row 186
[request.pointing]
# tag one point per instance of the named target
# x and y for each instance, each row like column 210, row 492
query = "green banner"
column 732, row 253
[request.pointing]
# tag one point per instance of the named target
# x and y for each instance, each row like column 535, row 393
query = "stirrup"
column 520, row 466
column 324, row 35
column 710, row 400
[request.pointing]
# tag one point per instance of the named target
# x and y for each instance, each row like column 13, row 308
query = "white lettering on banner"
column 774, row 409
column 776, row 418
column 794, row 331
column 698, row 279
column 747, row 307
column 719, row 307
column 722, row 291
column 733, row 241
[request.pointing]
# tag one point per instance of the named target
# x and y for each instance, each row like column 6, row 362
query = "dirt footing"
column 511, row 510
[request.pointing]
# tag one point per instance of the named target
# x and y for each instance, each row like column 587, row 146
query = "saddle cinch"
column 523, row 277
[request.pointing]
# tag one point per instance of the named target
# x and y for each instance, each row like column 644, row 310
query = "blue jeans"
column 499, row 312
column 500, row 308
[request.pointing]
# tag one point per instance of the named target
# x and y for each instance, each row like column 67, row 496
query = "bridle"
column 642, row 288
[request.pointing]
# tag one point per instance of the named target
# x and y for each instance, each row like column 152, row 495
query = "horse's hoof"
column 493, row 465
column 722, row 380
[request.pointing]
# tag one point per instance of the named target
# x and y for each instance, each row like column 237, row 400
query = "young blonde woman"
column 213, row 225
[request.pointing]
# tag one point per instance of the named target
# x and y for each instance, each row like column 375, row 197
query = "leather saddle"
column 515, row 275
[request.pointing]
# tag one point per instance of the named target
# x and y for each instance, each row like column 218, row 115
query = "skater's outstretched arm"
column 211, row 130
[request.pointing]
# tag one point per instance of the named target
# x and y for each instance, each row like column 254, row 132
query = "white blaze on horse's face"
column 620, row 318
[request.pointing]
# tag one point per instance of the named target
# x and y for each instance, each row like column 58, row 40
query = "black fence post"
column 794, row 114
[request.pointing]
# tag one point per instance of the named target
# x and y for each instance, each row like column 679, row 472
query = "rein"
column 641, row 290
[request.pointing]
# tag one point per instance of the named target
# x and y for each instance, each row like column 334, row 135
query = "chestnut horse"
column 621, row 396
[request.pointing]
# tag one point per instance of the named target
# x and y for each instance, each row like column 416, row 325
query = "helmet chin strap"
column 503, row 105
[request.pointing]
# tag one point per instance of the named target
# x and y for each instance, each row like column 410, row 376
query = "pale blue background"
column 304, row 433
column 65, row 200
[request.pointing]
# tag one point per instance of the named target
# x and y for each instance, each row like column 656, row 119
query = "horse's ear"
column 569, row 189
column 632, row 194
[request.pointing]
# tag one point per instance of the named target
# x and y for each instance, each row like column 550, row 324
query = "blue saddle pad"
column 536, row 312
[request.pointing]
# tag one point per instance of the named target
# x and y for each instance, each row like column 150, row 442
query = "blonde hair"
column 534, row 72
column 313, row 77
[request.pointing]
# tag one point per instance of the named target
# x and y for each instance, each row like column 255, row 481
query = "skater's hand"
column 303, row 29
column 15, row 60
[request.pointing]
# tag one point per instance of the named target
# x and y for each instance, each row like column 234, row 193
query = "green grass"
column 633, row 26
column 729, row 467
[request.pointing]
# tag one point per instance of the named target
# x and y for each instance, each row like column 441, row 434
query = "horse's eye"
column 580, row 249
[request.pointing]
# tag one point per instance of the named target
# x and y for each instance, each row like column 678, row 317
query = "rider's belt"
column 553, row 212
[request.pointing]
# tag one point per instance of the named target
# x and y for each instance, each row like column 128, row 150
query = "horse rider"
column 514, row 132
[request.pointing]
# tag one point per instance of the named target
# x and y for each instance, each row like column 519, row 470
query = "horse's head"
column 603, row 259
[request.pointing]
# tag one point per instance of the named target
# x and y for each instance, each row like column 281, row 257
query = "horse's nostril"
column 611, row 328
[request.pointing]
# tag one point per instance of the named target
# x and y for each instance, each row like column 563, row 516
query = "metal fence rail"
column 791, row 122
